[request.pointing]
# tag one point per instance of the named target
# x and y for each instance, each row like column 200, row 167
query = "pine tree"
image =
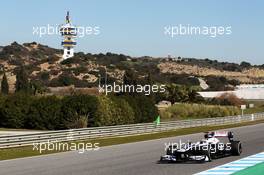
column 22, row 83
column 4, row 85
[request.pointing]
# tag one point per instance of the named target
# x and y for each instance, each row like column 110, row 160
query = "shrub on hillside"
column 72, row 60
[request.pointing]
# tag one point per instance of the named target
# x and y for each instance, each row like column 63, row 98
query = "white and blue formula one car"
column 211, row 147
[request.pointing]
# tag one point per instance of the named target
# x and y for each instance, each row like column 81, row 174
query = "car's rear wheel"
column 236, row 148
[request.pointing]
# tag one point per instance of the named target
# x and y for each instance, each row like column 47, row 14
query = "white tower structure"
column 68, row 32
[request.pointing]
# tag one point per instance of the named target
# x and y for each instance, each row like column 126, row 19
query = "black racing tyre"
column 169, row 151
column 236, row 148
column 207, row 153
column 209, row 156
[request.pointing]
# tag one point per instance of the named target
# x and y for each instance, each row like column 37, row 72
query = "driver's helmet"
column 209, row 135
column 230, row 136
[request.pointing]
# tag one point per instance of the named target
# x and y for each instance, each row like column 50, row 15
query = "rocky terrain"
column 250, row 75
column 45, row 67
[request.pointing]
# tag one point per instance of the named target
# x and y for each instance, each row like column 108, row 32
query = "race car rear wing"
column 227, row 134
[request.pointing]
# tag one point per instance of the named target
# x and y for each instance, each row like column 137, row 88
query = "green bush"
column 80, row 122
column 45, row 113
column 75, row 111
column 75, row 107
column 44, row 76
column 113, row 111
column 143, row 106
column 184, row 111
column 147, row 108
column 14, row 110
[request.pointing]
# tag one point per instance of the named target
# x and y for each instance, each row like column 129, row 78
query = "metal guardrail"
column 119, row 130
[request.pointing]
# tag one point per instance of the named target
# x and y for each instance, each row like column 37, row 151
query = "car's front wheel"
column 208, row 156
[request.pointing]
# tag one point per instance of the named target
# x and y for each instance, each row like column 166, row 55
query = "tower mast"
column 68, row 32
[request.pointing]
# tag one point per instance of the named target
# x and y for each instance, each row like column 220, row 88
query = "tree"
column 228, row 99
column 194, row 96
column 37, row 88
column 245, row 64
column 130, row 78
column 113, row 110
column 144, row 107
column 147, row 108
column 22, row 83
column 149, row 79
column 14, row 110
column 175, row 93
column 4, row 85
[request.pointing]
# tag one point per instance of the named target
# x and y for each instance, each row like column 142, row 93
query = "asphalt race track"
column 128, row 159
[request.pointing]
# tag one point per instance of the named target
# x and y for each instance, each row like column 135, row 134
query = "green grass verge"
column 256, row 170
column 13, row 129
column 181, row 111
column 26, row 151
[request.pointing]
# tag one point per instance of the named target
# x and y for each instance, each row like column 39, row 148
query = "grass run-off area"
column 26, row 151
column 253, row 170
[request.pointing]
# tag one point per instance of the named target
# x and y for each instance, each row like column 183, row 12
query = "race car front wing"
column 189, row 158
